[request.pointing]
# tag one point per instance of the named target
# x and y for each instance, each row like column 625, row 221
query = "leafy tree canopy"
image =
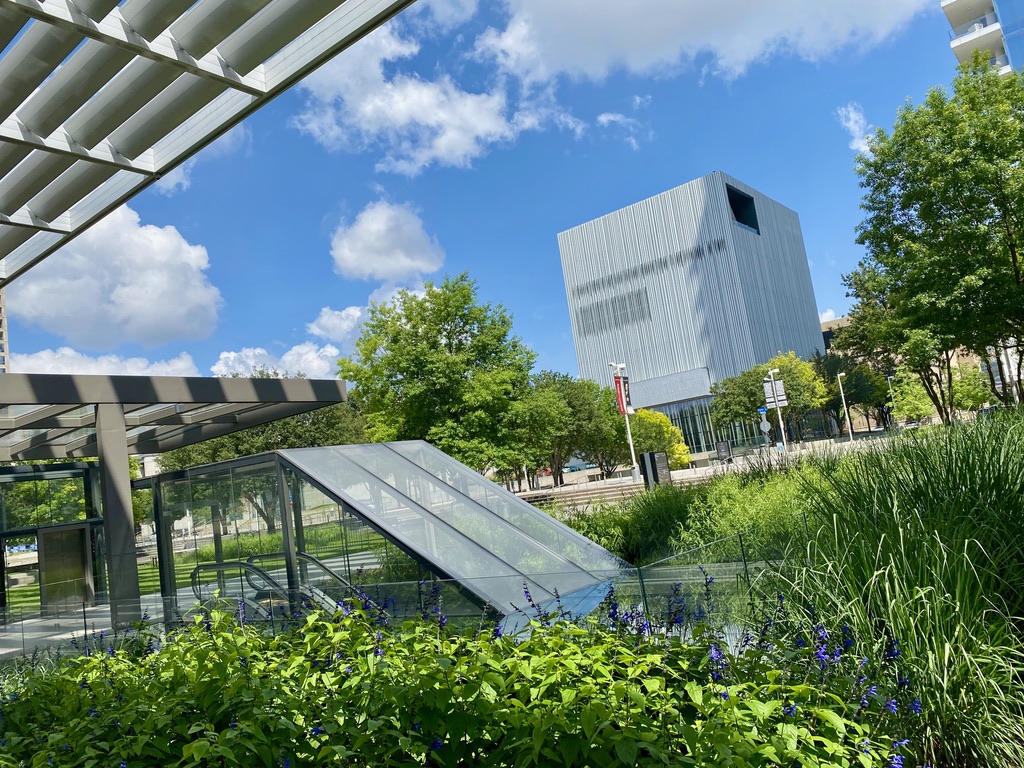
column 604, row 436
column 910, row 400
column 654, row 431
column 944, row 228
column 442, row 367
column 738, row 398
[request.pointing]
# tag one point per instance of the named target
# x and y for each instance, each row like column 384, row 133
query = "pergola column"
column 118, row 520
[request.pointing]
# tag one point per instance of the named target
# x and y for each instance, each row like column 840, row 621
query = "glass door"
column 65, row 568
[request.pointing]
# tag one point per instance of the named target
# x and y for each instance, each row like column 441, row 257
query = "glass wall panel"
column 223, row 514
column 21, row 574
column 34, row 503
column 693, row 419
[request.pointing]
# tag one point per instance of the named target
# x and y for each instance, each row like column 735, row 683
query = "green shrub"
column 639, row 529
column 348, row 690
column 767, row 509
column 922, row 545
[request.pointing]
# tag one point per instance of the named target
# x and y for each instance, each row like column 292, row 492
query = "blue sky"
column 463, row 136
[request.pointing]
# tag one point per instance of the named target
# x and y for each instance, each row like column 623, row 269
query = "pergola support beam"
column 118, row 520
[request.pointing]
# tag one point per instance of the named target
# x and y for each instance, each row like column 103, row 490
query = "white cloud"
column 354, row 105
column 387, row 293
column 827, row 316
column 238, row 139
column 313, row 361
column 445, row 14
column 627, row 125
column 385, row 242
column 68, row 360
column 337, row 325
column 120, row 282
column 851, row 117
column 591, row 38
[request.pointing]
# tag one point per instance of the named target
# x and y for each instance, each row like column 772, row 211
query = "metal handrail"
column 246, row 567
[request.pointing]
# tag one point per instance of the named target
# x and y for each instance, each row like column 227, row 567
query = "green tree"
column 440, row 367
column 944, row 228
column 584, row 416
column 654, row 431
column 538, row 429
column 865, row 390
column 970, row 389
column 738, row 398
column 603, row 439
column 910, row 400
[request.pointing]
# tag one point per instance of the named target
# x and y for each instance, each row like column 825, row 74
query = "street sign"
column 762, row 410
column 778, row 397
column 765, row 426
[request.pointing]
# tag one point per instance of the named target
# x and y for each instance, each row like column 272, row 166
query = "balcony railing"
column 974, row 25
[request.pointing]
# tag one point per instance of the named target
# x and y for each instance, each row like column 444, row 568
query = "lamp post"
column 842, row 396
column 892, row 400
column 778, row 408
column 617, row 370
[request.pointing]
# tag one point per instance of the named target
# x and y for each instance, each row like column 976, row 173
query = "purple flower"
column 436, row 744
column 789, row 710
column 915, row 706
column 891, row 706
column 716, row 655
column 821, row 656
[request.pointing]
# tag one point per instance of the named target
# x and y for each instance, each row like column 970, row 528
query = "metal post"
column 643, row 591
column 842, row 396
column 778, row 409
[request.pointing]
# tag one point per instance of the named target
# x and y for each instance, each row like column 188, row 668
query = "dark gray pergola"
column 53, row 416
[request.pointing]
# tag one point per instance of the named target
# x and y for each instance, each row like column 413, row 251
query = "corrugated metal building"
column 687, row 288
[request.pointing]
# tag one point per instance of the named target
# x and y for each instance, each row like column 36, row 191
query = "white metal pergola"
column 100, row 98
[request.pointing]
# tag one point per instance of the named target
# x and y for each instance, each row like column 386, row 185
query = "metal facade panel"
column 673, row 283
column 685, row 385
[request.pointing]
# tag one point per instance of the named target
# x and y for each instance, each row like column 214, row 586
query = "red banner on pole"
column 622, row 394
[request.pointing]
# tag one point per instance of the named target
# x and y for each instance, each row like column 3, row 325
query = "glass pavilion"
column 400, row 523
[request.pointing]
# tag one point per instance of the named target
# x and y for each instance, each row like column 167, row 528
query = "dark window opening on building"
column 743, row 210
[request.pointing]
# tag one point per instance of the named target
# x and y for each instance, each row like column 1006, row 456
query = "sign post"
column 775, row 395
column 764, row 425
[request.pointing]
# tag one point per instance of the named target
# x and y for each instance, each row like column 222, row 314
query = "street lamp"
column 617, row 370
column 778, row 408
column 842, row 396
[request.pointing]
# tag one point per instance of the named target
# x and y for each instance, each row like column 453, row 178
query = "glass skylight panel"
column 437, row 515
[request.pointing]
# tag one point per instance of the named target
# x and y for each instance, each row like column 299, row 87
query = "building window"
column 743, row 210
